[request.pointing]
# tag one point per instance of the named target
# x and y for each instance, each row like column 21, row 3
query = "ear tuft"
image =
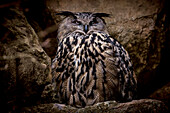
column 66, row 13
column 101, row 15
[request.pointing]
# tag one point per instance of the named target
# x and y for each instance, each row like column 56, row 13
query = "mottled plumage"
column 90, row 66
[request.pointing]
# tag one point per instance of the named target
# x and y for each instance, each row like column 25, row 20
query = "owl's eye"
column 76, row 22
column 93, row 22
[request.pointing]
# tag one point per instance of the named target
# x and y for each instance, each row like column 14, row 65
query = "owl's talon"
column 59, row 106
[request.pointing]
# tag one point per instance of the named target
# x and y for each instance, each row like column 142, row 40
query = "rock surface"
column 136, row 106
column 24, row 66
column 162, row 94
column 42, row 22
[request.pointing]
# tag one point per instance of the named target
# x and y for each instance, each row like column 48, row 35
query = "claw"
column 59, row 106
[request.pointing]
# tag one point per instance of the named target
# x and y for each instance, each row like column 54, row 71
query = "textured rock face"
column 162, row 94
column 24, row 66
column 136, row 106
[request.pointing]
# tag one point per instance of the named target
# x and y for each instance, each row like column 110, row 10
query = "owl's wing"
column 65, row 69
column 127, row 77
column 61, row 68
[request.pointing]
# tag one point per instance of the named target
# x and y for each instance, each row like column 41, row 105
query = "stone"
column 24, row 65
column 136, row 106
column 43, row 24
column 162, row 94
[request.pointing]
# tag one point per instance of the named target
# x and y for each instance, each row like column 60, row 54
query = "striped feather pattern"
column 92, row 68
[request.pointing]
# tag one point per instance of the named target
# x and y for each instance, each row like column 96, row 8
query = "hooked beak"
column 86, row 28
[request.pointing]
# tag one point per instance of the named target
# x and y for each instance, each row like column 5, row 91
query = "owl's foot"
column 59, row 106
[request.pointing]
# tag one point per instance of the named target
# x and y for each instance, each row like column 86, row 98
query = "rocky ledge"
column 135, row 106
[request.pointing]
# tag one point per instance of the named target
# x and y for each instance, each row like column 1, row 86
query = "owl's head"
column 84, row 22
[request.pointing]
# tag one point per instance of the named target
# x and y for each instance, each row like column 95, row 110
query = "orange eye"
column 94, row 21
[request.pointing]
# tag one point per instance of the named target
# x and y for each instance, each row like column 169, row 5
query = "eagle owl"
column 90, row 66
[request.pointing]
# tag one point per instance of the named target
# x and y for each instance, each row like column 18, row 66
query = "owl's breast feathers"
column 90, row 69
